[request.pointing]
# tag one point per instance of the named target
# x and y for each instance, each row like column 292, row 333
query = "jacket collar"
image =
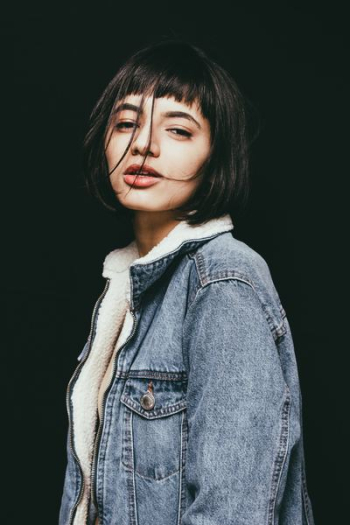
column 144, row 271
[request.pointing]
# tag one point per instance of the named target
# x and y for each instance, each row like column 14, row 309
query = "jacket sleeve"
column 237, row 404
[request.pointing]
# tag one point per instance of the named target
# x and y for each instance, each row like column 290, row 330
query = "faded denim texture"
column 223, row 443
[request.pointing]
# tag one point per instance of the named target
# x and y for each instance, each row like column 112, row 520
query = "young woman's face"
column 179, row 146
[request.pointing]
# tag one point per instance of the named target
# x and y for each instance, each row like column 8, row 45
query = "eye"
column 181, row 132
column 125, row 125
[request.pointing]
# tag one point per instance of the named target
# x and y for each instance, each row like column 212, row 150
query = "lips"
column 146, row 170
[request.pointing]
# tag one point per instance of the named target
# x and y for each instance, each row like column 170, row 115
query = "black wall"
column 290, row 59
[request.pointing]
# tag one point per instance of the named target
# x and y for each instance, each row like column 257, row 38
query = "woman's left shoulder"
column 224, row 255
column 226, row 258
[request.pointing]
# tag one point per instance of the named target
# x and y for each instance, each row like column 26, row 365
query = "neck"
column 150, row 227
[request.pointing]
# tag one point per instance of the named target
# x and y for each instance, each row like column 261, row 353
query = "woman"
column 185, row 407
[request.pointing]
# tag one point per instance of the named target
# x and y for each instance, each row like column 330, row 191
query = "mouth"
column 147, row 171
column 140, row 181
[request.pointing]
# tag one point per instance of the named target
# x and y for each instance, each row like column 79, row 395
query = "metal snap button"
column 147, row 400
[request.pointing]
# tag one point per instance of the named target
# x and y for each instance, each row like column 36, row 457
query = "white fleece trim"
column 113, row 327
column 180, row 233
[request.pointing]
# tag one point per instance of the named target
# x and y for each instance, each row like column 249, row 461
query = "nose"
column 142, row 145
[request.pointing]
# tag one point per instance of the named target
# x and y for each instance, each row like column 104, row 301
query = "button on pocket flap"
column 155, row 395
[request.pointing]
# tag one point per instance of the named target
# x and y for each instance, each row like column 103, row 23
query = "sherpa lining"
column 114, row 318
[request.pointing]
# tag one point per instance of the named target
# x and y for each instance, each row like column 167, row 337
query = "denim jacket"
column 202, row 419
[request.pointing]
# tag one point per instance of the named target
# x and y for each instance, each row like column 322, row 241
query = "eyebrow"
column 167, row 114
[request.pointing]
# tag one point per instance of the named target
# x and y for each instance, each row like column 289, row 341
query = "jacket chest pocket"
column 154, row 423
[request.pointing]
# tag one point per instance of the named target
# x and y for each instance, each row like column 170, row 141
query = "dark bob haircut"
column 174, row 67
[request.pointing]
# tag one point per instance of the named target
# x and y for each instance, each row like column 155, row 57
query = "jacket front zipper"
column 68, row 393
column 100, row 427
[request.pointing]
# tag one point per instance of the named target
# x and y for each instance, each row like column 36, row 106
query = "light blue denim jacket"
column 202, row 421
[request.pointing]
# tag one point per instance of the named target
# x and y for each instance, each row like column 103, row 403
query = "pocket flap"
column 167, row 388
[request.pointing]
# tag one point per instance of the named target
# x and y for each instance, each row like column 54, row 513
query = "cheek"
column 115, row 150
column 191, row 165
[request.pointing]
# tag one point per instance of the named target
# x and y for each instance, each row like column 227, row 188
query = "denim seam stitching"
column 305, row 494
column 127, row 449
column 203, row 277
column 279, row 461
column 184, row 463
column 126, row 453
column 155, row 414
column 138, row 474
column 149, row 477
column 182, row 466
column 279, row 330
column 156, row 374
column 101, row 454
column 133, row 473
column 228, row 278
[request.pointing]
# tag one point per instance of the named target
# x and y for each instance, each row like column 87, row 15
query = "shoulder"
column 225, row 258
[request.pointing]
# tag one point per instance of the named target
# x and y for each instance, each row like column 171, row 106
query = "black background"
column 290, row 59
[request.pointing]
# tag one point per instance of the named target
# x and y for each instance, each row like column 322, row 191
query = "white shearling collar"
column 120, row 259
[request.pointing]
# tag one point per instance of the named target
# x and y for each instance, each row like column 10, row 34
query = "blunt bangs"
column 168, row 71
column 174, row 68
